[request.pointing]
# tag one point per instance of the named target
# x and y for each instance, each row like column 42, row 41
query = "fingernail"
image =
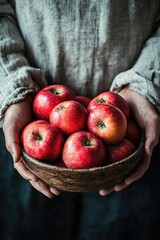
column 117, row 188
column 102, row 193
column 127, row 181
column 149, row 150
column 55, row 191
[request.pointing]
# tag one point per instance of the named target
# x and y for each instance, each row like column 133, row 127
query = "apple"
column 83, row 100
column 110, row 98
column 47, row 98
column 42, row 141
column 119, row 151
column 69, row 116
column 83, row 150
column 108, row 123
column 133, row 132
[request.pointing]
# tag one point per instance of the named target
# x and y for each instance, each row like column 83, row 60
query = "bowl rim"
column 57, row 168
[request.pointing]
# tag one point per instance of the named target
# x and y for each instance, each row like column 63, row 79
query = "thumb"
column 12, row 142
column 152, row 137
column 15, row 151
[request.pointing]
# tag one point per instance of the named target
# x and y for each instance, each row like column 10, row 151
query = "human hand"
column 17, row 116
column 147, row 118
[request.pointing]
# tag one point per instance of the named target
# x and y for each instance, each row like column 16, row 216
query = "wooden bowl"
column 79, row 180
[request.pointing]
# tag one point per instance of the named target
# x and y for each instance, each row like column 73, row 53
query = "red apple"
column 83, row 100
column 83, row 150
column 69, row 117
column 42, row 141
column 133, row 132
column 47, row 98
column 108, row 123
column 119, row 151
column 110, row 98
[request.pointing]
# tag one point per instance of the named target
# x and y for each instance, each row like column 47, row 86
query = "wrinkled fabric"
column 82, row 44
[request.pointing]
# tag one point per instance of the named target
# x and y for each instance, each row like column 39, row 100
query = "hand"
column 147, row 118
column 17, row 116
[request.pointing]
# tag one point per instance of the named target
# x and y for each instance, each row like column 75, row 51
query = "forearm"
column 144, row 76
column 18, row 79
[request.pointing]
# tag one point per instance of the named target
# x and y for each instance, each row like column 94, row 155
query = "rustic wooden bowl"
column 79, row 180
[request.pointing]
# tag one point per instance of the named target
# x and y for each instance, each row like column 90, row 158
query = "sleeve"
column 144, row 76
column 17, row 78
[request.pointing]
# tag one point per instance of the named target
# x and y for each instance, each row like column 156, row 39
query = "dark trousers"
column 131, row 214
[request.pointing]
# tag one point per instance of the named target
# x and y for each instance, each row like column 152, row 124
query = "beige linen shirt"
column 88, row 45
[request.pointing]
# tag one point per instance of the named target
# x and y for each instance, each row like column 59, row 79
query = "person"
column 90, row 46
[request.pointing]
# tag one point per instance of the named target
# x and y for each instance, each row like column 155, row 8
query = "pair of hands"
column 19, row 115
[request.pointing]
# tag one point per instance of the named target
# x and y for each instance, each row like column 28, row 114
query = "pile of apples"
column 77, row 132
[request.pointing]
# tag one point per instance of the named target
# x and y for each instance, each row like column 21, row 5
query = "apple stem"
column 37, row 136
column 61, row 107
column 102, row 125
column 101, row 100
column 88, row 143
column 55, row 92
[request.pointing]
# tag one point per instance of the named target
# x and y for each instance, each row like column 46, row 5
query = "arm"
column 144, row 76
column 148, row 119
column 16, row 90
column 15, row 73
column 140, row 86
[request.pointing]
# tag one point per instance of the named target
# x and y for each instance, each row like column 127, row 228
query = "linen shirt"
column 89, row 45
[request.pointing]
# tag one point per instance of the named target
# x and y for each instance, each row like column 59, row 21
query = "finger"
column 12, row 141
column 152, row 135
column 120, row 186
column 35, row 182
column 15, row 151
column 106, row 191
column 41, row 187
column 140, row 170
column 24, row 172
column 55, row 191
